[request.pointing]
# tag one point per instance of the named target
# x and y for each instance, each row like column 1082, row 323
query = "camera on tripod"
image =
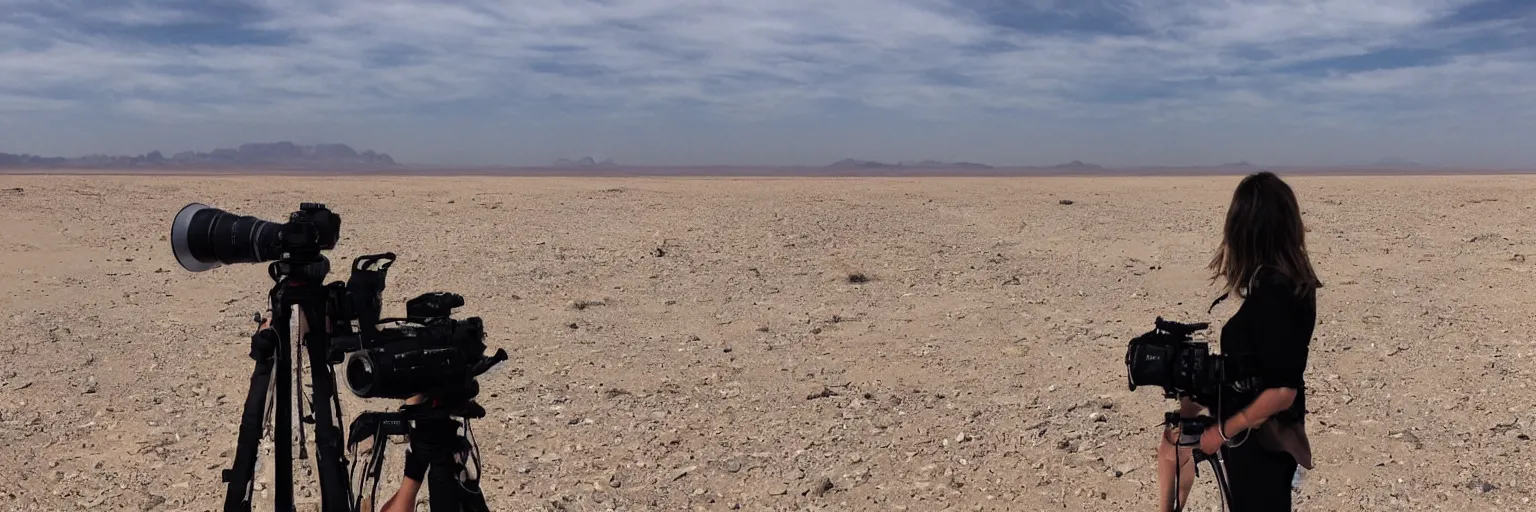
column 427, row 352
column 1168, row 357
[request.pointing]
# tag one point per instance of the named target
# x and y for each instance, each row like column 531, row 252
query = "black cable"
column 376, row 464
column 303, row 441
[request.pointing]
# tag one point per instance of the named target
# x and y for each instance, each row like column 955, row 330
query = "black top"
column 1271, row 333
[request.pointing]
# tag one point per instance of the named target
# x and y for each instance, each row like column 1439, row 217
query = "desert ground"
column 696, row 343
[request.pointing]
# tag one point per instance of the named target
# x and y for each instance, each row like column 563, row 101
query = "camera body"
column 1168, row 357
column 427, row 352
column 312, row 228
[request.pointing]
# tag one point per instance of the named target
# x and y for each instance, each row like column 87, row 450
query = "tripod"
column 298, row 283
column 1190, row 430
column 447, row 490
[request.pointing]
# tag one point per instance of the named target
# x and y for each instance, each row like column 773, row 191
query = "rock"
column 1066, row 201
column 962, row 437
column 820, row 392
column 1481, row 486
column 1097, row 417
column 1519, row 258
column 819, row 487
column 676, row 475
column 733, row 465
column 90, row 385
column 152, row 502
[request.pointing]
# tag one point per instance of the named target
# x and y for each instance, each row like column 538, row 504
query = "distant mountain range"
column 849, row 163
column 278, row 154
column 585, row 161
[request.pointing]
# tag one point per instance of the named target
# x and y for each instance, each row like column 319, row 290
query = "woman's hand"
column 1210, row 440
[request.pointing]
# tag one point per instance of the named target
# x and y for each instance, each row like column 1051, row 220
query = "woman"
column 1263, row 260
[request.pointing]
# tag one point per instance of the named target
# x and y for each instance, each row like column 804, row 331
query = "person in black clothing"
column 1263, row 260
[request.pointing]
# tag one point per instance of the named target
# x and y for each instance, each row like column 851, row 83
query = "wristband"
column 1221, row 429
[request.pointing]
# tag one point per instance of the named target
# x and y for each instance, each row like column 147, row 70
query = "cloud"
column 781, row 81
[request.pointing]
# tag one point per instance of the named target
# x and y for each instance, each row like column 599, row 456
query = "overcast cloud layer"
column 1117, row 82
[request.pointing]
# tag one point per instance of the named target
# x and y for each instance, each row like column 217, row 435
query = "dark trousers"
column 1260, row 479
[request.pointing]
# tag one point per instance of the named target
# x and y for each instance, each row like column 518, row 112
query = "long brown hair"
column 1263, row 229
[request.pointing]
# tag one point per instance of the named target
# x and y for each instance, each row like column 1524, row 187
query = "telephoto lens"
column 205, row 238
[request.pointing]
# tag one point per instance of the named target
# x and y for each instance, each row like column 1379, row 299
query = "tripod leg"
column 1219, row 471
column 282, row 482
column 443, row 486
column 237, row 497
column 448, row 494
column 335, row 493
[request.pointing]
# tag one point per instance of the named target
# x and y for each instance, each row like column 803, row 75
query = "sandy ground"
column 726, row 361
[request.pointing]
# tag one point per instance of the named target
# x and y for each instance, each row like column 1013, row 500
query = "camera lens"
column 360, row 374
column 205, row 238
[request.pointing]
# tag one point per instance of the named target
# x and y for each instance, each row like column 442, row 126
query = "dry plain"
column 695, row 344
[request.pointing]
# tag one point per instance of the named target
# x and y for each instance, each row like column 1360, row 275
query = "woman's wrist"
column 1232, row 425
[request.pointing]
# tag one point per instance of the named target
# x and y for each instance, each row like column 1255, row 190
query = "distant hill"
column 1076, row 165
column 1397, row 163
column 585, row 161
column 850, row 163
column 277, row 154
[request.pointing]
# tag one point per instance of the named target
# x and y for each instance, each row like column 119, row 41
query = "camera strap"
column 1217, row 301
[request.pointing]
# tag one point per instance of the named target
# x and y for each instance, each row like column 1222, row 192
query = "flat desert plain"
column 696, row 344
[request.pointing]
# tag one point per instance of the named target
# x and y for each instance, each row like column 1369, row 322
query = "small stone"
column 820, row 487
column 962, row 437
column 733, row 465
column 614, row 482
column 1066, row 201
column 683, row 472
column 820, row 392
column 90, row 385
column 1097, row 417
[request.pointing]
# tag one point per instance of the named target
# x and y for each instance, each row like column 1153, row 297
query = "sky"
column 781, row 82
